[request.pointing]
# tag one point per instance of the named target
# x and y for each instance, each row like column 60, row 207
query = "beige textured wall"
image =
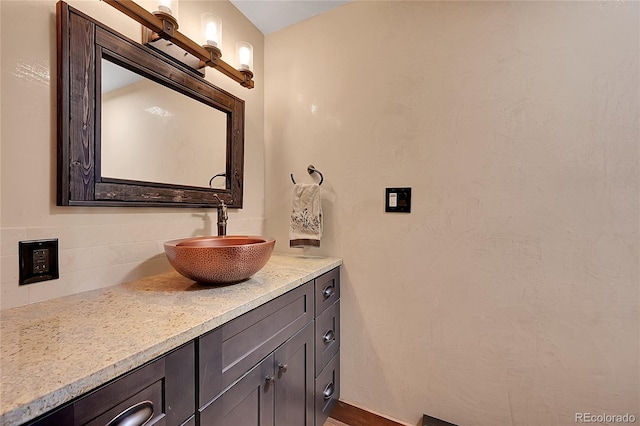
column 99, row 246
column 510, row 293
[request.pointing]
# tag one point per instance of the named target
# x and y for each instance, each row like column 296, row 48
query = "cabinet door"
column 248, row 402
column 294, row 365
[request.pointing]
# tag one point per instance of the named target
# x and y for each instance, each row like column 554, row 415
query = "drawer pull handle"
column 283, row 368
column 329, row 336
column 327, row 393
column 269, row 380
column 136, row 415
column 328, row 291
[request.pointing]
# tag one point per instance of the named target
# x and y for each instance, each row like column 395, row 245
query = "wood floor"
column 332, row 422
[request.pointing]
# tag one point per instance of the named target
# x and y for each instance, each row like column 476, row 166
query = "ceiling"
column 272, row 15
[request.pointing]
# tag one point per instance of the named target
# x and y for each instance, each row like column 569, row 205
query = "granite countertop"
column 54, row 351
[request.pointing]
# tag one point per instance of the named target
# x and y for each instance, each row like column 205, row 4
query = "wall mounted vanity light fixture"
column 167, row 12
column 167, row 9
column 211, row 29
column 162, row 25
column 244, row 53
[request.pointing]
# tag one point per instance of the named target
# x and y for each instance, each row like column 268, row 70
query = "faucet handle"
column 220, row 200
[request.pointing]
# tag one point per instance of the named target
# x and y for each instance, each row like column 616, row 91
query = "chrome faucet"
column 222, row 216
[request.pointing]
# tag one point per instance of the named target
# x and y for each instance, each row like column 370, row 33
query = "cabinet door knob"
column 269, row 380
column 283, row 368
column 329, row 336
column 136, row 415
column 327, row 393
column 328, row 291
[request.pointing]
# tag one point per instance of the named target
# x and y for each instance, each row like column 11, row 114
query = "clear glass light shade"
column 244, row 55
column 168, row 6
column 211, row 29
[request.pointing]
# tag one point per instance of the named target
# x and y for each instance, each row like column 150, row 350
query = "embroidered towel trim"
column 305, row 227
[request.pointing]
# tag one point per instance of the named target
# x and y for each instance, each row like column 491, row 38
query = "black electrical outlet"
column 38, row 261
column 397, row 200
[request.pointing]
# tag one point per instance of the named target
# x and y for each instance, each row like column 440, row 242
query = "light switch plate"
column 397, row 200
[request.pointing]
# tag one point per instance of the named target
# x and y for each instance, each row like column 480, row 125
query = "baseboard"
column 355, row 416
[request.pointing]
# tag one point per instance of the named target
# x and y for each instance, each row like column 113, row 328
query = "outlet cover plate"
column 38, row 261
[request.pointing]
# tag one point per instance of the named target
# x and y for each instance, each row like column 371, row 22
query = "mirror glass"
column 142, row 119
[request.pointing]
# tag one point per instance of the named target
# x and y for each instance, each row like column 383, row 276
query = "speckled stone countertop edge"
column 20, row 412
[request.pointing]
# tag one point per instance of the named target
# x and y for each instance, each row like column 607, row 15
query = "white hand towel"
column 305, row 228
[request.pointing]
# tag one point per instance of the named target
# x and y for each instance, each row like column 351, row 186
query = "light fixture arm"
column 159, row 26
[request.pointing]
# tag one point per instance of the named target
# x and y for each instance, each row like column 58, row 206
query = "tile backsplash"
column 99, row 256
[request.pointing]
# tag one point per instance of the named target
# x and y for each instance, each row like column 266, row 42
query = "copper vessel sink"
column 219, row 260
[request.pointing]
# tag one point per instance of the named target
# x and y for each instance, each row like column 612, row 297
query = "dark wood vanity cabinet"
column 162, row 388
column 276, row 365
column 279, row 389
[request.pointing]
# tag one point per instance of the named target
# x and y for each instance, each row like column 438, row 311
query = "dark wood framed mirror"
column 105, row 158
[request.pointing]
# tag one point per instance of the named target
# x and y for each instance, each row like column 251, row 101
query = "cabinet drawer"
column 327, row 390
column 166, row 382
column 327, row 336
column 327, row 290
column 228, row 352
